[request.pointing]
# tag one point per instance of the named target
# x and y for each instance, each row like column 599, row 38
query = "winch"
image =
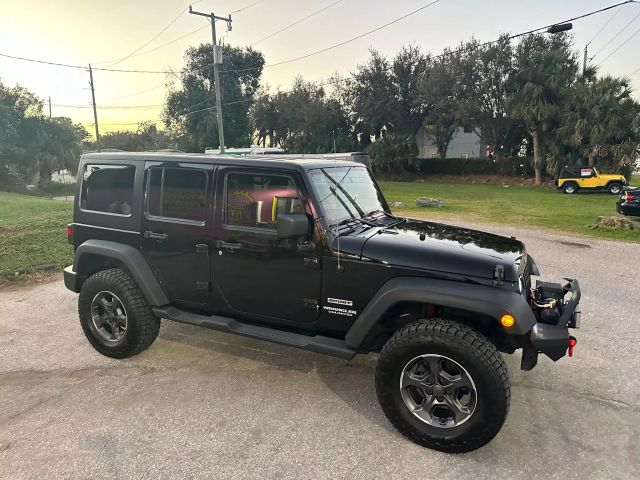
column 547, row 301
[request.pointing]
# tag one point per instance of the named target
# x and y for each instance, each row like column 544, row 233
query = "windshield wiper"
column 344, row 192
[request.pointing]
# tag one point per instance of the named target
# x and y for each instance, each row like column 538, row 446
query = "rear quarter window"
column 107, row 188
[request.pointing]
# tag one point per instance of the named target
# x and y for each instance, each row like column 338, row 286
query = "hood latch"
column 498, row 276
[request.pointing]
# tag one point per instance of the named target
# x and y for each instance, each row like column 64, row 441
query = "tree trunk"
column 499, row 160
column 537, row 159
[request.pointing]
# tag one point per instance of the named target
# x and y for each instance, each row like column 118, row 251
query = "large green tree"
column 602, row 120
column 440, row 97
column 33, row 146
column 546, row 70
column 486, row 91
column 190, row 110
column 303, row 119
column 383, row 95
column 146, row 137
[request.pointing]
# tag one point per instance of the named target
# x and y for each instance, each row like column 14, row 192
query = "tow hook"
column 572, row 344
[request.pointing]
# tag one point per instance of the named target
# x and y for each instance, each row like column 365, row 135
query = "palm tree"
column 546, row 68
column 602, row 119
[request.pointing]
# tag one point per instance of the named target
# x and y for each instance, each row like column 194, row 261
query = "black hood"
column 438, row 248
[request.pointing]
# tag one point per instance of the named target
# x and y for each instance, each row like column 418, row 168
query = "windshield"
column 346, row 192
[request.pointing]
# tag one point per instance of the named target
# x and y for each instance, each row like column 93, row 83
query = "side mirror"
column 293, row 225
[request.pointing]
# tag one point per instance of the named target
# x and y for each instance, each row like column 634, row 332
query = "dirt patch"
column 574, row 244
column 29, row 279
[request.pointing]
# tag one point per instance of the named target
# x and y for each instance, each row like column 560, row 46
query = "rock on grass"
column 430, row 202
column 614, row 223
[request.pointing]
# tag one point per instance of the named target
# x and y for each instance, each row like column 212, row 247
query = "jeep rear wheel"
column 614, row 188
column 443, row 385
column 114, row 315
column 570, row 188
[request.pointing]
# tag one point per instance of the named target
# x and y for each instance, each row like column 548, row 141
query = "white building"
column 465, row 143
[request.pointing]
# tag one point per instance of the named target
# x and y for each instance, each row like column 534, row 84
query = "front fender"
column 490, row 301
column 129, row 256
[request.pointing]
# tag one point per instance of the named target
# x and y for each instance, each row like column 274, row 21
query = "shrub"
column 519, row 166
column 394, row 152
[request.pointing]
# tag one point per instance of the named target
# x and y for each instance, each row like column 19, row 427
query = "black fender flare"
column 131, row 258
column 491, row 301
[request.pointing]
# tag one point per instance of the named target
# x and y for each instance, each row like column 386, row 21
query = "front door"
column 176, row 240
column 259, row 274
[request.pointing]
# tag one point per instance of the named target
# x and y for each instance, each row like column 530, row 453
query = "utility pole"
column 217, row 59
column 585, row 60
column 49, row 107
column 95, row 112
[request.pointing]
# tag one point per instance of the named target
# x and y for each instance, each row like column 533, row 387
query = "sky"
column 80, row 32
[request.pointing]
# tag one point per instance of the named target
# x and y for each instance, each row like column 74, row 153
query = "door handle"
column 228, row 245
column 155, row 235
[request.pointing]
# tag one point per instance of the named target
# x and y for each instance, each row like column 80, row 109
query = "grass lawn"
column 33, row 232
column 33, row 229
column 513, row 205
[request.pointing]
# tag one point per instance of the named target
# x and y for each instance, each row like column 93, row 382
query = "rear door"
column 175, row 227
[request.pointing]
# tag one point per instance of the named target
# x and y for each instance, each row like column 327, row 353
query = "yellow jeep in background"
column 576, row 178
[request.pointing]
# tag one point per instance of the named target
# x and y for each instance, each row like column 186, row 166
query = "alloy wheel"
column 109, row 317
column 438, row 390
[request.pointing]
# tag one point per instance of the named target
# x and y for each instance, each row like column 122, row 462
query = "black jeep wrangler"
column 306, row 253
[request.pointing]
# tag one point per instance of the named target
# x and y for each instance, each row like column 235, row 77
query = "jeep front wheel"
column 443, row 385
column 115, row 316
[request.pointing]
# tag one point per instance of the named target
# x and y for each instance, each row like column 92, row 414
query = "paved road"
column 202, row 404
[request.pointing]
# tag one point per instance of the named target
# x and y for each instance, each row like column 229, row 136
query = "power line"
column 109, row 107
column 168, row 43
column 117, row 61
column 245, row 8
column 133, row 52
column 619, row 46
column 67, row 65
column 616, row 35
column 529, row 32
column 336, row 45
column 155, row 87
column 184, row 114
column 604, row 26
column 295, row 23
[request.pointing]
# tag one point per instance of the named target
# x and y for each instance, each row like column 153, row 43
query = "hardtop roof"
column 285, row 161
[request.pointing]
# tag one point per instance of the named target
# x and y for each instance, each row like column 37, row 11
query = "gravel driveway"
column 203, row 404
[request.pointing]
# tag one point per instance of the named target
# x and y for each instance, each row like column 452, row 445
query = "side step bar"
column 317, row 343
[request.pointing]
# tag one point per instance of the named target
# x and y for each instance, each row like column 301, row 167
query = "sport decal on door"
column 346, row 312
column 340, row 301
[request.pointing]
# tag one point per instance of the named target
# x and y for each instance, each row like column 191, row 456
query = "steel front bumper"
column 553, row 340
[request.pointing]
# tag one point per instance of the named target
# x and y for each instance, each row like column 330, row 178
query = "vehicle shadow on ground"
column 352, row 381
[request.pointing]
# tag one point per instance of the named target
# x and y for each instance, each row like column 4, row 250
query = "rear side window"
column 177, row 193
column 255, row 201
column 107, row 188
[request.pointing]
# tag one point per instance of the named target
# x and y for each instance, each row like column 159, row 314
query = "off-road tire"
column 570, row 188
column 472, row 350
column 614, row 188
column 142, row 324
